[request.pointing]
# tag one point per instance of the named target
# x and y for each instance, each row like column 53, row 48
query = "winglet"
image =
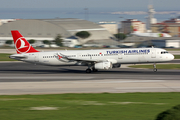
column 21, row 44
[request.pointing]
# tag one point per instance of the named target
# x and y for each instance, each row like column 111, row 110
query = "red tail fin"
column 21, row 44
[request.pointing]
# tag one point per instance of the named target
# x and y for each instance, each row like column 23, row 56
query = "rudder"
column 21, row 44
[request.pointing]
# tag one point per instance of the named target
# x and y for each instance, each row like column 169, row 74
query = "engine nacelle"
column 103, row 65
column 116, row 65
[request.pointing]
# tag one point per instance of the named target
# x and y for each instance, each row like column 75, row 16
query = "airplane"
column 149, row 34
column 101, row 59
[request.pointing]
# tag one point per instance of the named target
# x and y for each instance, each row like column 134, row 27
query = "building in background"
column 129, row 25
column 48, row 29
column 150, row 18
column 112, row 27
column 3, row 21
column 171, row 27
column 165, row 43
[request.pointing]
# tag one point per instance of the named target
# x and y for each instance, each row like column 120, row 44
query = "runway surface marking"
column 44, row 108
column 89, row 86
column 45, row 77
column 148, row 88
column 121, row 81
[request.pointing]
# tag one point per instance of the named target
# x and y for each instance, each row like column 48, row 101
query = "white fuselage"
column 151, row 34
column 82, row 57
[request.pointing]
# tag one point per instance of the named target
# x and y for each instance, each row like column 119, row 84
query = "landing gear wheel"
column 88, row 70
column 155, row 69
column 94, row 70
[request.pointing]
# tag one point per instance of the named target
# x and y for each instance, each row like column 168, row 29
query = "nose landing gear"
column 155, row 69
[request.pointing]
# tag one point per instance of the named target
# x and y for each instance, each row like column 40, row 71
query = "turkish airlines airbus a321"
column 94, row 59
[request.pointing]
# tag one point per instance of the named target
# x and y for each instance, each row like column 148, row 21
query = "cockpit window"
column 164, row 52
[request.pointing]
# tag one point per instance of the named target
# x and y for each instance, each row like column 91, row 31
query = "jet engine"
column 103, row 65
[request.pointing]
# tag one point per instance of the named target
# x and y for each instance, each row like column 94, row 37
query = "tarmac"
column 19, row 78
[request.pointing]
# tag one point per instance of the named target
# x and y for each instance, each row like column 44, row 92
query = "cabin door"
column 120, row 56
column 36, row 57
column 153, row 53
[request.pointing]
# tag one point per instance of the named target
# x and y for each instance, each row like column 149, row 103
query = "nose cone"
column 171, row 57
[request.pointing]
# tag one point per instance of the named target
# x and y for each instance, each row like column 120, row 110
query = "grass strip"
column 159, row 66
column 5, row 57
column 173, row 49
column 176, row 56
column 104, row 106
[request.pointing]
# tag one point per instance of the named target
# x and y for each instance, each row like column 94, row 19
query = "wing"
column 66, row 57
column 85, row 60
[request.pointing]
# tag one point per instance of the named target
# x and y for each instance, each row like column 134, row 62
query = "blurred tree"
column 47, row 42
column 58, row 40
column 31, row 41
column 83, row 34
column 171, row 114
column 9, row 42
column 120, row 36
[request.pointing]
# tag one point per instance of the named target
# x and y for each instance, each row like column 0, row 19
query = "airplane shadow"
column 27, row 68
column 121, row 71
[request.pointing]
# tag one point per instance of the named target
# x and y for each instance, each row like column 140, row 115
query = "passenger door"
column 120, row 56
column 153, row 53
column 36, row 57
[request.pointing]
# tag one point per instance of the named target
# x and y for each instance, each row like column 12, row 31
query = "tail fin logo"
column 22, row 46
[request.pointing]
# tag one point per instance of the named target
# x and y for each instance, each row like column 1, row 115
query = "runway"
column 25, row 78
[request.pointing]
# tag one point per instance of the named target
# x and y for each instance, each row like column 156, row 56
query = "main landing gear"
column 155, row 69
column 94, row 70
column 89, row 70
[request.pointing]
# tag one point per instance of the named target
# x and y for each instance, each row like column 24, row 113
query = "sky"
column 124, row 5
